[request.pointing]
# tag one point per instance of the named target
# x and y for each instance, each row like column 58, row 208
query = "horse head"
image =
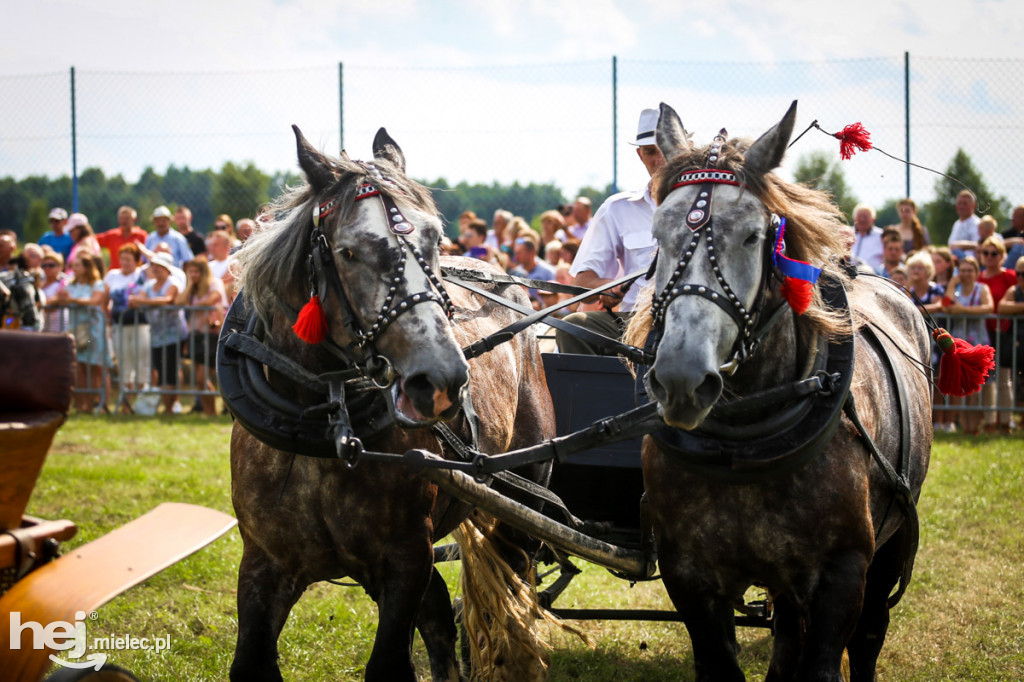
column 364, row 239
column 716, row 238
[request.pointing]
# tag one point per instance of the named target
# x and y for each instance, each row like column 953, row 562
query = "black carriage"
column 600, row 489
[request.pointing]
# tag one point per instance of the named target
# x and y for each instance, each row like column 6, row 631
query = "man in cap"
column 57, row 237
column 180, row 251
column 618, row 241
column 126, row 231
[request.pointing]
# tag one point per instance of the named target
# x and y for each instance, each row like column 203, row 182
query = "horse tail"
column 500, row 610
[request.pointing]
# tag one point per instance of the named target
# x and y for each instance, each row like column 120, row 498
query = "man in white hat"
column 180, row 251
column 618, row 242
column 57, row 237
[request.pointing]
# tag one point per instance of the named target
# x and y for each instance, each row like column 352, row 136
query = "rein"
column 531, row 317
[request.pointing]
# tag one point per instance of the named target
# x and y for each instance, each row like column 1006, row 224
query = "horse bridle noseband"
column 698, row 219
column 323, row 268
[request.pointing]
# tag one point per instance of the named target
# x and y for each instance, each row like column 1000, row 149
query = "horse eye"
column 347, row 254
column 751, row 240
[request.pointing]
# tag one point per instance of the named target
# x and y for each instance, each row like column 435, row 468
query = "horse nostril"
column 430, row 399
column 658, row 391
column 708, row 392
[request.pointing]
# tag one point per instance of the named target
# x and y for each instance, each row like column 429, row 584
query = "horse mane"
column 814, row 230
column 272, row 266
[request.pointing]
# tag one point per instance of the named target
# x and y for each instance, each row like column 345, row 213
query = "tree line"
column 239, row 190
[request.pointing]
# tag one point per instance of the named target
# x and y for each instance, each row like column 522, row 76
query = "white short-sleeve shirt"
column 965, row 230
column 868, row 249
column 619, row 241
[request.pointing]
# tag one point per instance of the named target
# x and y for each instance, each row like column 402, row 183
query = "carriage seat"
column 36, row 377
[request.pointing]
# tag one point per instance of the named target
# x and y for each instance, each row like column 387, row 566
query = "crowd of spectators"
column 978, row 273
column 166, row 290
column 138, row 303
column 511, row 244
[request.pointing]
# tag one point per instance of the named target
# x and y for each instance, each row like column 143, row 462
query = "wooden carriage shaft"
column 521, row 517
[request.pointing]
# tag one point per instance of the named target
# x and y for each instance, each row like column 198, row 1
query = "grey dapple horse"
column 824, row 535
column 306, row 519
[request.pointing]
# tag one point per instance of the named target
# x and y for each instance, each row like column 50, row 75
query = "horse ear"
column 766, row 153
column 670, row 135
column 386, row 148
column 313, row 163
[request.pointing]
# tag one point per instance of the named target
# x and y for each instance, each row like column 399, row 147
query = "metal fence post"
column 74, row 149
column 615, row 124
column 341, row 107
column 906, row 113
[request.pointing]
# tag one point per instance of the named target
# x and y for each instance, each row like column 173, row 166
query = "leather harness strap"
column 531, row 317
column 899, row 482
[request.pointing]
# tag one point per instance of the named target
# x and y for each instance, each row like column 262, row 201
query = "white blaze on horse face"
column 699, row 335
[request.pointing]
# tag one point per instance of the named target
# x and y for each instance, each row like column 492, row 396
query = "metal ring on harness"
column 382, row 367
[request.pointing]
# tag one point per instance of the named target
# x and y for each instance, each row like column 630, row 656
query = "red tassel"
column 311, row 326
column 853, row 135
column 798, row 293
column 962, row 367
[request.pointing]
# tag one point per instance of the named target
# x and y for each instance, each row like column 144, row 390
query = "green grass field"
column 962, row 618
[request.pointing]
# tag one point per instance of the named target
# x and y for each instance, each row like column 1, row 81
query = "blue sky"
column 503, row 89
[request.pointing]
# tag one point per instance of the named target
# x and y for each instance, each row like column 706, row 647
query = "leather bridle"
column 699, row 221
column 324, row 271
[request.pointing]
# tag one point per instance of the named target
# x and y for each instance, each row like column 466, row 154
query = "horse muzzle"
column 684, row 397
column 426, row 397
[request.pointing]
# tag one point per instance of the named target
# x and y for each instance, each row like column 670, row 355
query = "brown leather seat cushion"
column 36, row 375
column 36, row 371
column 25, row 439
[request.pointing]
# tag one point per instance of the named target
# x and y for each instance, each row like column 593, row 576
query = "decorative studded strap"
column 392, row 309
column 400, row 227
column 700, row 210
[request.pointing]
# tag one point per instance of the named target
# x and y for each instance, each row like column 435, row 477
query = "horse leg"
column 266, row 595
column 834, row 609
column 403, row 587
column 866, row 643
column 709, row 620
column 437, row 628
column 788, row 635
